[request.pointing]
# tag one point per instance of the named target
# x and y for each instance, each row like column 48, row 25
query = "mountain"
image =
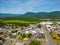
column 55, row 14
column 32, row 15
column 8, row 15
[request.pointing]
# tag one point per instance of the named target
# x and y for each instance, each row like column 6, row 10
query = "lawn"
column 35, row 42
column 13, row 37
column 55, row 37
column 20, row 38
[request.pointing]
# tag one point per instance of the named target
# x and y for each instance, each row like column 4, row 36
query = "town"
column 44, row 33
column 29, row 22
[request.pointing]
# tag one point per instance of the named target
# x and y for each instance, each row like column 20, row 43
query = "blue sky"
column 23, row 6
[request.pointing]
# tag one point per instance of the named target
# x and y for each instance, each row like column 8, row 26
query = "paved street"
column 32, row 38
column 48, row 38
column 8, row 42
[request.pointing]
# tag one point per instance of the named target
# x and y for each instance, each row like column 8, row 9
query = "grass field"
column 16, row 21
column 55, row 37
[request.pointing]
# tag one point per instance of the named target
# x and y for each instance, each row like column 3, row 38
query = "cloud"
column 22, row 6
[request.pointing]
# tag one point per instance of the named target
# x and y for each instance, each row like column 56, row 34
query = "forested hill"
column 31, row 15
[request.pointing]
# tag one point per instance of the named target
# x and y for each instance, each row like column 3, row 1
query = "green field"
column 17, row 21
column 22, row 22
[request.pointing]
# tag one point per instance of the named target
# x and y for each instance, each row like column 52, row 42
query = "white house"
column 42, row 23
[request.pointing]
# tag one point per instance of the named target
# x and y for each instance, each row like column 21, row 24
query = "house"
column 58, row 32
column 42, row 23
column 27, row 32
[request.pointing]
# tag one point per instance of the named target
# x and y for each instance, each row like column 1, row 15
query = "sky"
column 23, row 6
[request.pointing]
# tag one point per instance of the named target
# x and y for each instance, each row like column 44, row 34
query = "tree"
column 29, row 35
column 24, row 35
column 39, row 26
column 1, row 33
column 1, row 24
column 1, row 44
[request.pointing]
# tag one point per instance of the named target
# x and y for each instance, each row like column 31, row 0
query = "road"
column 8, row 42
column 48, row 38
column 32, row 38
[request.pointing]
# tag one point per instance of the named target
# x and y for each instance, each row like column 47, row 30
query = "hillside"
column 32, row 15
column 8, row 15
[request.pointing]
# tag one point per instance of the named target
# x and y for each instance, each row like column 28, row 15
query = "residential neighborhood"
column 29, row 22
column 47, row 33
